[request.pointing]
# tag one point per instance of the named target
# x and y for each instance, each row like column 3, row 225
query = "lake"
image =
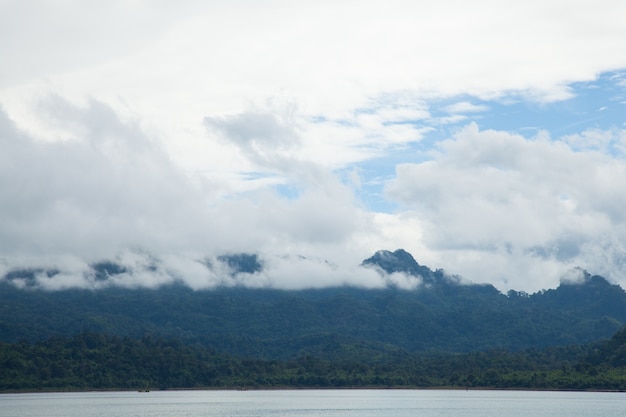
column 323, row 403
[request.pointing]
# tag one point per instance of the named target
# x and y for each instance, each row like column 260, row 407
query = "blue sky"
column 487, row 139
column 599, row 105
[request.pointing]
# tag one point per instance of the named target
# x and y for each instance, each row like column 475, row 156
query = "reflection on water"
column 327, row 403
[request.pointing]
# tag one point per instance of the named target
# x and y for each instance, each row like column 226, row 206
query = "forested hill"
column 442, row 315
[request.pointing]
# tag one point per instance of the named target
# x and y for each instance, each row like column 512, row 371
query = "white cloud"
column 44, row 37
column 256, row 132
column 465, row 107
column 111, row 193
column 185, row 61
column 492, row 198
column 165, row 127
column 113, row 188
column 490, row 205
column 605, row 141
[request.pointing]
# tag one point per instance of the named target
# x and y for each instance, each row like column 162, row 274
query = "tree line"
column 97, row 361
column 275, row 324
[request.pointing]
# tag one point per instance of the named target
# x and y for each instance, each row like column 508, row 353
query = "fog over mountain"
column 137, row 270
column 485, row 139
column 142, row 270
column 389, row 303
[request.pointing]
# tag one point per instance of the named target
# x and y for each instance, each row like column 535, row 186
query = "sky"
column 486, row 138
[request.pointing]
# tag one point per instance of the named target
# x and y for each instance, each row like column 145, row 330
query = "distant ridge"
column 398, row 261
column 248, row 263
column 443, row 314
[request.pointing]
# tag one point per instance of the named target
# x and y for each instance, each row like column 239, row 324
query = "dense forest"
column 278, row 324
column 444, row 333
column 444, row 316
column 95, row 361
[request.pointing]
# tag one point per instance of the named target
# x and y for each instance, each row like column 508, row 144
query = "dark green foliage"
column 442, row 334
column 273, row 324
column 97, row 361
column 611, row 353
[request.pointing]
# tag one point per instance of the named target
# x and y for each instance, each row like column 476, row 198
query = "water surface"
column 325, row 403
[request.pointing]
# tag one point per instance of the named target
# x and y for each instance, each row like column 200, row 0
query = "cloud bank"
column 486, row 139
column 114, row 195
column 524, row 206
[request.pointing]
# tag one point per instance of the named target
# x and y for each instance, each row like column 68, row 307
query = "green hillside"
column 443, row 316
column 90, row 361
column 441, row 334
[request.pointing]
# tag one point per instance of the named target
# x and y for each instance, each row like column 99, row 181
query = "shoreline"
column 288, row 388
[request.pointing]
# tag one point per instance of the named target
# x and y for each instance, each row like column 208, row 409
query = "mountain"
column 242, row 262
column 401, row 261
column 443, row 314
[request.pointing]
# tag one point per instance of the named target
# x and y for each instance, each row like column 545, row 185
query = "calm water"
column 327, row 403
